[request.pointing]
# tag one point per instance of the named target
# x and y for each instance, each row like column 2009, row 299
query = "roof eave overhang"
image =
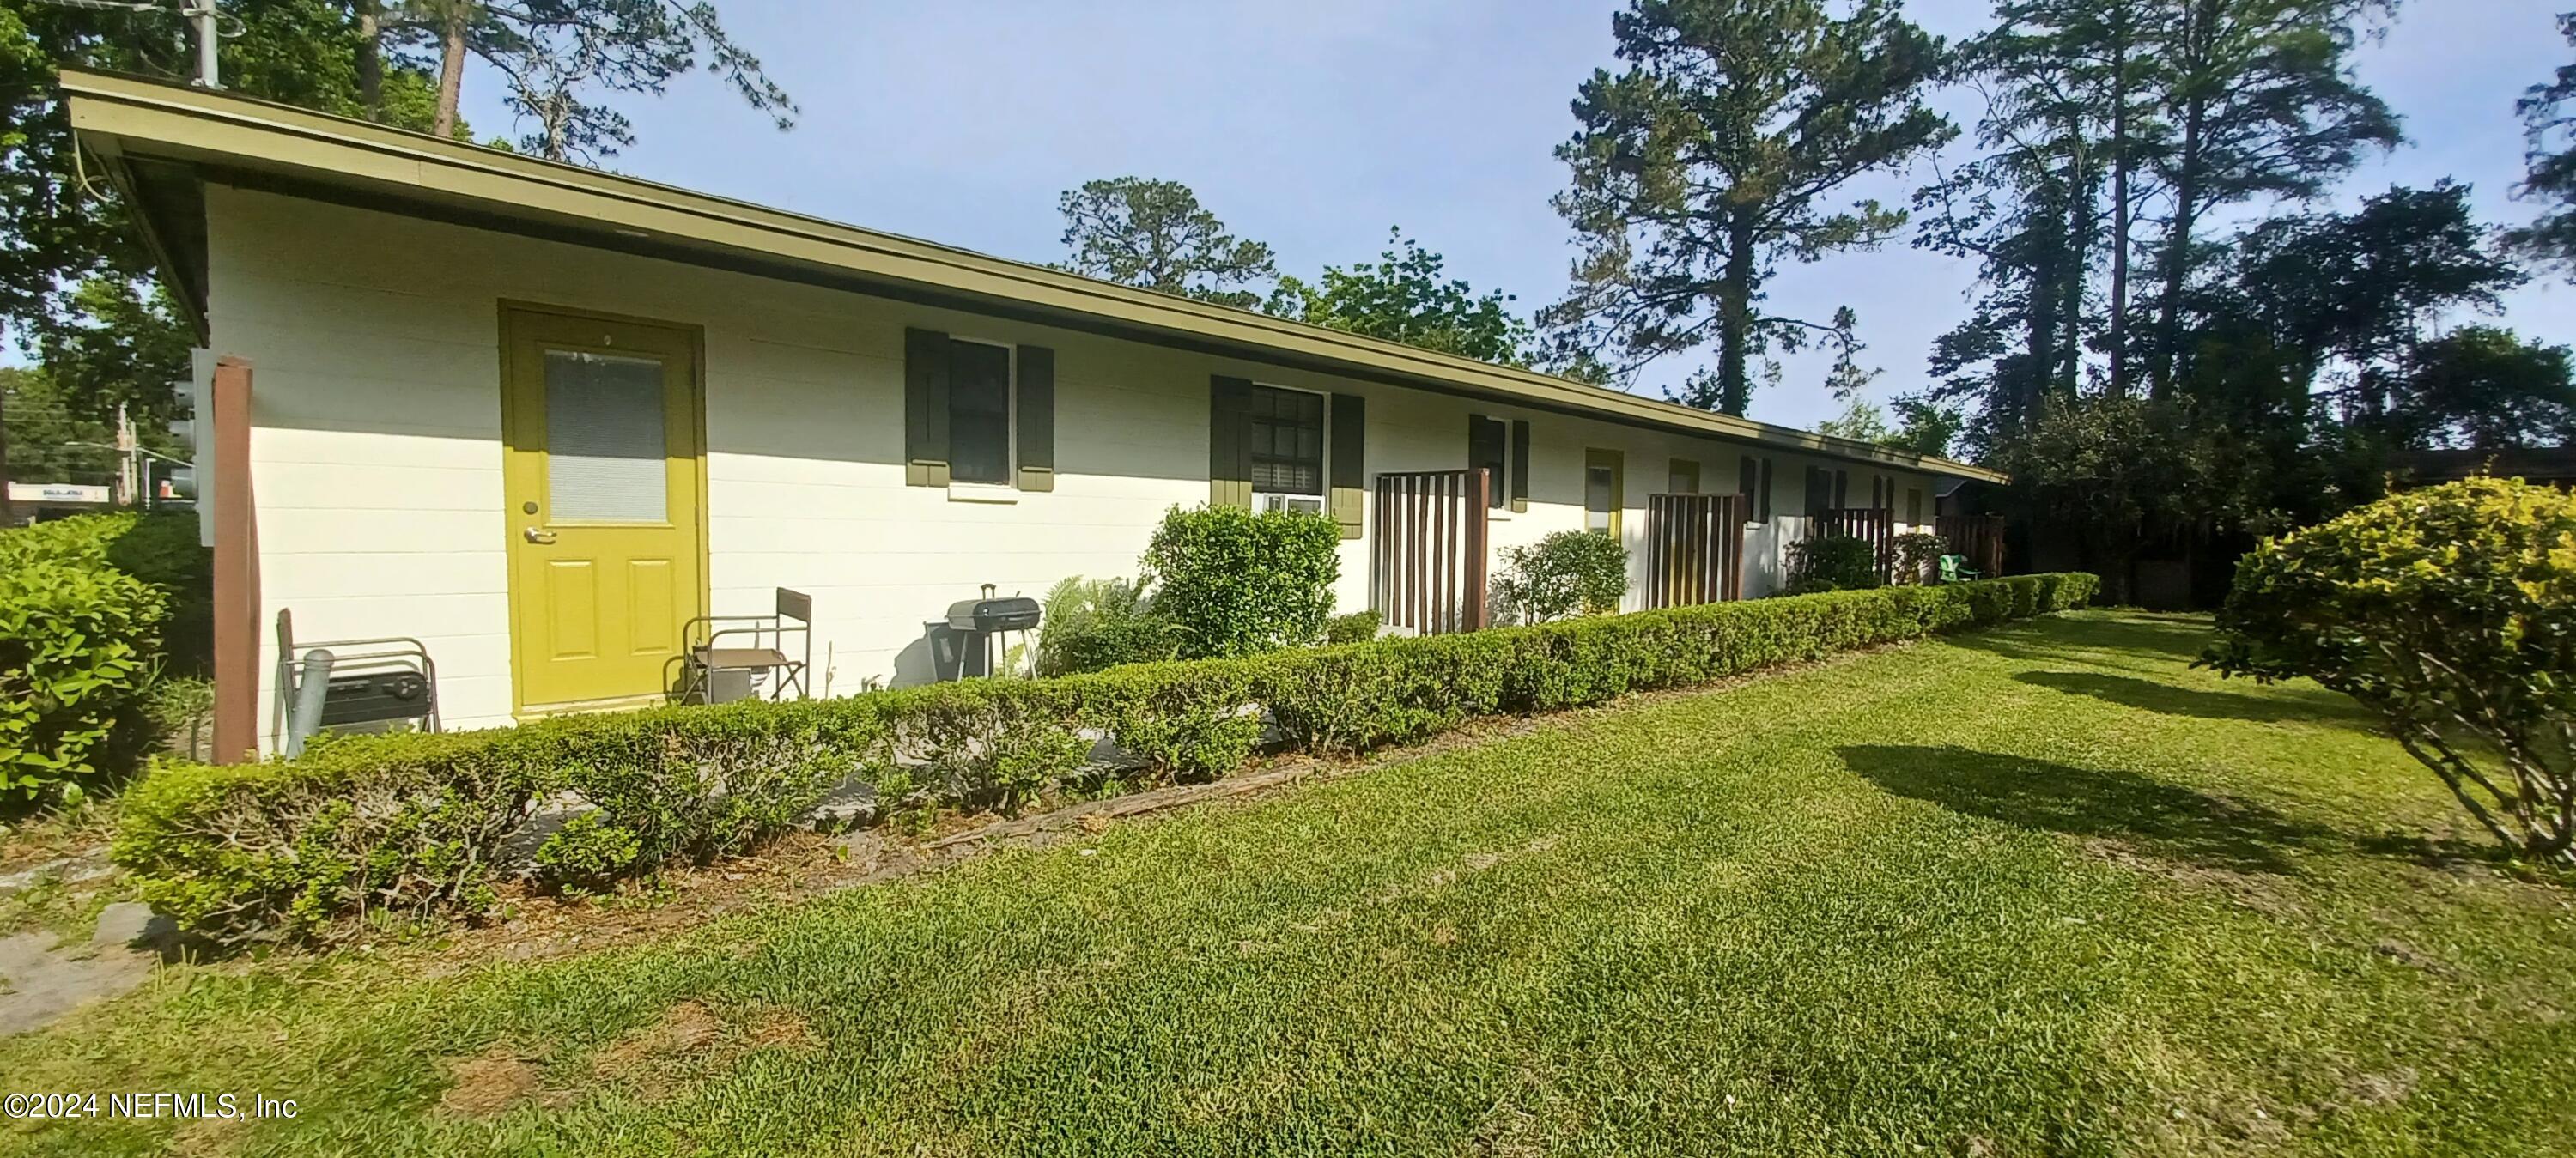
column 128, row 122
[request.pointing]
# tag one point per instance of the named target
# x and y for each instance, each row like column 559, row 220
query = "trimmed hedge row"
column 414, row 823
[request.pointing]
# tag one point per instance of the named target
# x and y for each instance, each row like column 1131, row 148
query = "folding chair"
column 714, row 671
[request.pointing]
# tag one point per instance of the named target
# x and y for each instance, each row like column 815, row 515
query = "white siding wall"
column 376, row 454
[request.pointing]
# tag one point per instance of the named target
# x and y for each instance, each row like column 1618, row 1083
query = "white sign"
column 58, row 493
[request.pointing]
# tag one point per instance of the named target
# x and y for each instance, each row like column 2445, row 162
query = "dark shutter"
column 1486, row 448
column 925, row 408
column 1229, row 455
column 1748, row 482
column 1520, row 465
column 1037, row 418
column 1346, row 457
column 1762, row 493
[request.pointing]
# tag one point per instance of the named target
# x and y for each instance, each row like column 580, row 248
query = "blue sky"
column 1315, row 125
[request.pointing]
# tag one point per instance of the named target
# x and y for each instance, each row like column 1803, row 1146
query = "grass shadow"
column 2153, row 638
column 2171, row 821
column 2282, row 705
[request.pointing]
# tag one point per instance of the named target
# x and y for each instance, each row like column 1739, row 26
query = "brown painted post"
column 1480, row 494
column 236, row 568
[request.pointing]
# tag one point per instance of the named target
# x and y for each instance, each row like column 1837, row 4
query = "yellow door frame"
column 515, row 468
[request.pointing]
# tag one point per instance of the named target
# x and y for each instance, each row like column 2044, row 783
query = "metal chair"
column 715, row 672
column 1955, row 569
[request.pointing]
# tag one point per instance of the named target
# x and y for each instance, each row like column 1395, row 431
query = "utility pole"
column 125, row 456
column 208, row 34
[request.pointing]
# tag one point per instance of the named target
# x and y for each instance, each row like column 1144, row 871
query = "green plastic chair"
column 1955, row 569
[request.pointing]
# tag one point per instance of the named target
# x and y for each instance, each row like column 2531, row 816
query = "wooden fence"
column 1694, row 549
column 1979, row 537
column 1427, row 565
column 1873, row 525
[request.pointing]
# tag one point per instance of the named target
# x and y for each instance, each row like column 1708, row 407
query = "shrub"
column 76, row 661
column 2451, row 612
column 1563, row 574
column 1355, row 627
column 1236, row 582
column 1091, row 624
column 1831, row 563
column 158, row 548
column 412, row 823
column 1918, row 554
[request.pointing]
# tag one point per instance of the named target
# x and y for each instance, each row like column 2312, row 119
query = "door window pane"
column 979, row 412
column 1599, row 497
column 606, row 450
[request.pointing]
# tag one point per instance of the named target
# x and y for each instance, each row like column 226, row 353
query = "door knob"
column 538, row 535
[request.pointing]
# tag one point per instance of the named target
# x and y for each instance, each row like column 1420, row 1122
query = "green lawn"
column 2041, row 890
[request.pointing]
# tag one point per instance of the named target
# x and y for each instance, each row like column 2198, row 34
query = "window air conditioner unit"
column 1279, row 502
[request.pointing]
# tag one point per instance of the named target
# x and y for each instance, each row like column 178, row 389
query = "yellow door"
column 606, row 565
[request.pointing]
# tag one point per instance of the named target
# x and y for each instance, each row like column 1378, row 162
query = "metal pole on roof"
column 208, row 36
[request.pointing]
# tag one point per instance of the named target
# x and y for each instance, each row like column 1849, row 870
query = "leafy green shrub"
column 1182, row 721
column 2451, row 612
column 1237, row 582
column 1918, row 553
column 588, row 852
column 1355, row 627
column 412, row 823
column 1831, row 563
column 407, row 823
column 162, row 549
column 158, row 548
column 76, row 661
column 1563, row 574
column 1092, row 624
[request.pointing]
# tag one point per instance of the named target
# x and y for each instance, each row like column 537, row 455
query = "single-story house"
column 537, row 415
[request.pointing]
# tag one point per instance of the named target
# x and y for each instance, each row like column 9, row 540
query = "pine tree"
column 1717, row 155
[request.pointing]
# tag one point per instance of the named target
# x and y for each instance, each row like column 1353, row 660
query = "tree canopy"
column 1405, row 297
column 2550, row 128
column 1155, row 235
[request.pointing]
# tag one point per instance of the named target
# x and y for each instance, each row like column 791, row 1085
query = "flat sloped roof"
column 159, row 139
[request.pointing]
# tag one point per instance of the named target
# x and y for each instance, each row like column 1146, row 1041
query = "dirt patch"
column 682, row 1030
column 782, row 1029
column 2264, row 893
column 2386, row 1089
column 490, row 1082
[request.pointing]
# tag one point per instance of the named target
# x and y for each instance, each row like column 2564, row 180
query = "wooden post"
column 236, row 568
column 1480, row 489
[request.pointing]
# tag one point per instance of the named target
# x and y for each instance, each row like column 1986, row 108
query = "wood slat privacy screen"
column 1694, row 549
column 1427, row 566
column 1979, row 537
column 1875, row 525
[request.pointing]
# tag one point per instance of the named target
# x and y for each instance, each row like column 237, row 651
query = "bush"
column 1563, row 574
column 1092, row 624
column 158, row 548
column 413, row 823
column 1918, row 556
column 1831, row 563
column 1236, row 582
column 77, row 643
column 1356, row 627
column 2451, row 612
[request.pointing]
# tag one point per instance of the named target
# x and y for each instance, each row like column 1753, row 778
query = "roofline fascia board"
column 210, row 128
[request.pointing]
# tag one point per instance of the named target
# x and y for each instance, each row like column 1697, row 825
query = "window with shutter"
column 1488, row 447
